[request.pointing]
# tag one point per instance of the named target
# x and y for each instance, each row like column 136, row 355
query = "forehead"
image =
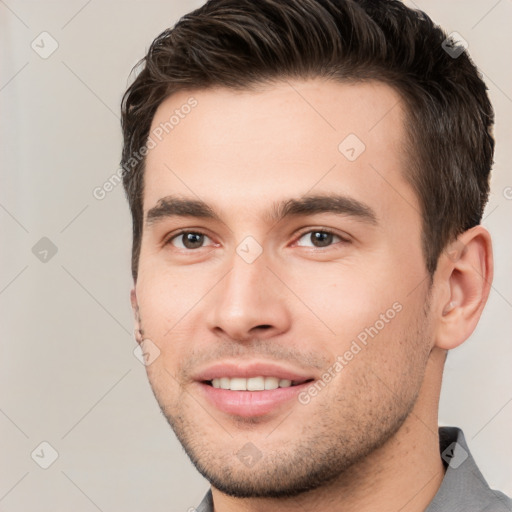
column 244, row 147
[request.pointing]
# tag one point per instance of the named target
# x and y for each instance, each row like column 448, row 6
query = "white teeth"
column 224, row 382
column 256, row 384
column 250, row 384
column 238, row 384
column 271, row 382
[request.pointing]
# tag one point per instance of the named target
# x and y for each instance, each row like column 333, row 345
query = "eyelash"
column 183, row 232
column 343, row 240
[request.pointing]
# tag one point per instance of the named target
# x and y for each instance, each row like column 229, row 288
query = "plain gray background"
column 68, row 373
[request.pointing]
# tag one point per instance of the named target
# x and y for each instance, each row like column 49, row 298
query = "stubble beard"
column 344, row 429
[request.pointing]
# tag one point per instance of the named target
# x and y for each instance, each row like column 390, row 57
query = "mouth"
column 257, row 383
column 251, row 388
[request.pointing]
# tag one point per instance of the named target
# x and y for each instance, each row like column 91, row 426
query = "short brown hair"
column 241, row 43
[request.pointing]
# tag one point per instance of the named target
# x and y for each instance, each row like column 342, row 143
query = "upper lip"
column 250, row 369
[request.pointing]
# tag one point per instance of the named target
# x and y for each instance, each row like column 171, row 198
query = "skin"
column 369, row 438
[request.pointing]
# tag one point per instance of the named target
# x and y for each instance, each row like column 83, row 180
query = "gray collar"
column 464, row 488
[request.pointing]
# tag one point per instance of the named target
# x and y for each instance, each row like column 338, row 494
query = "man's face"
column 332, row 298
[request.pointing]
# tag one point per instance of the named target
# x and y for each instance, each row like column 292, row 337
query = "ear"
column 465, row 273
column 136, row 314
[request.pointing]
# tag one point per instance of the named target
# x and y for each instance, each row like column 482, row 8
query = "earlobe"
column 133, row 299
column 135, row 308
column 466, row 281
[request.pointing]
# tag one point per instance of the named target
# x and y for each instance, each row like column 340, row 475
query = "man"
column 307, row 180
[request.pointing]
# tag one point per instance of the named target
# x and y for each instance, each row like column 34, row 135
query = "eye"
column 320, row 238
column 188, row 240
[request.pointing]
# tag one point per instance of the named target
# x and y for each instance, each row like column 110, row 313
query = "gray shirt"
column 463, row 489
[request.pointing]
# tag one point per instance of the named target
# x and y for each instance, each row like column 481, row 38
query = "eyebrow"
column 175, row 206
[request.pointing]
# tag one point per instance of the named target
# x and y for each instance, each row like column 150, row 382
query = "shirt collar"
column 464, row 488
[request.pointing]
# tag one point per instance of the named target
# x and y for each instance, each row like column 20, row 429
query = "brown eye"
column 188, row 240
column 319, row 239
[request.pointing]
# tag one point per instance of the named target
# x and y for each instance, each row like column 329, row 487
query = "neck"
column 404, row 474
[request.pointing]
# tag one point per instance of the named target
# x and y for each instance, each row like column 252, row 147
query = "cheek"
column 385, row 362
column 165, row 298
column 163, row 380
column 346, row 299
column 371, row 326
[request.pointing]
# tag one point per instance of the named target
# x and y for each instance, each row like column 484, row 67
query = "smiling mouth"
column 258, row 383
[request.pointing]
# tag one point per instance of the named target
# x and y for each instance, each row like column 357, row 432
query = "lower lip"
column 248, row 404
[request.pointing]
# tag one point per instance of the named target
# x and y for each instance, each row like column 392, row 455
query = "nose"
column 249, row 302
